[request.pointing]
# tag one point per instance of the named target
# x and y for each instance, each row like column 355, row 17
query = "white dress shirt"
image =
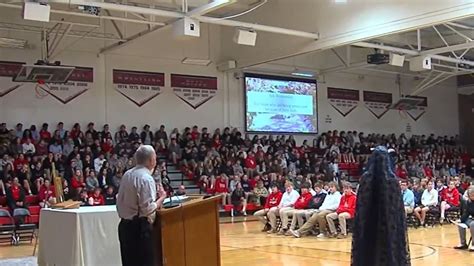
column 429, row 198
column 137, row 194
column 289, row 199
column 331, row 201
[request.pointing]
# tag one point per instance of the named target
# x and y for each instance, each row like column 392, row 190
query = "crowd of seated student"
column 219, row 161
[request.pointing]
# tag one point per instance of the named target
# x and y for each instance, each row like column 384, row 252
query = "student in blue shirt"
column 408, row 197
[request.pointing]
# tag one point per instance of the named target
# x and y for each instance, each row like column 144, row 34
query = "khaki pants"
column 285, row 214
column 298, row 218
column 320, row 218
column 273, row 213
column 342, row 217
column 262, row 215
column 408, row 210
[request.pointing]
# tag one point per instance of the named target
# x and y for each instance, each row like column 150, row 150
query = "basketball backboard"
column 43, row 73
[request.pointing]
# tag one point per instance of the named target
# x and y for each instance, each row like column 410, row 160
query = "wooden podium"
column 189, row 233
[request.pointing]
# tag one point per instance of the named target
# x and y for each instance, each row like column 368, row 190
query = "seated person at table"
column 271, row 203
column 449, row 199
column 300, row 206
column 330, row 204
column 110, row 196
column 16, row 196
column 429, row 201
column 467, row 220
column 238, row 199
column 346, row 210
column 96, row 198
column 181, row 191
column 408, row 197
column 287, row 202
column 84, row 198
column 46, row 194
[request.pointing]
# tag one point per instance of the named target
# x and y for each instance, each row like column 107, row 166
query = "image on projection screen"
column 280, row 104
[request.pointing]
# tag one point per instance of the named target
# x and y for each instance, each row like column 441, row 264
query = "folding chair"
column 24, row 232
column 7, row 227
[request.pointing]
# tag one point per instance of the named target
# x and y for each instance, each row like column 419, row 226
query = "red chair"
column 34, row 215
column 32, row 200
column 3, row 201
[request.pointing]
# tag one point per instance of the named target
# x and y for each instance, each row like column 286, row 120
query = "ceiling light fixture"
column 197, row 62
column 12, row 43
column 303, row 74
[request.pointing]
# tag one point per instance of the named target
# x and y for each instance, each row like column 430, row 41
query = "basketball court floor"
column 242, row 244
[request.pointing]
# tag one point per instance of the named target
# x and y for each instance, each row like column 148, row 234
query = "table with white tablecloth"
column 79, row 237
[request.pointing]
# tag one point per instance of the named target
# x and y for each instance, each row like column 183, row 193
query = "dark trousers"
column 136, row 242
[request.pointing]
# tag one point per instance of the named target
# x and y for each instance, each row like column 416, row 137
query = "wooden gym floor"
column 242, row 244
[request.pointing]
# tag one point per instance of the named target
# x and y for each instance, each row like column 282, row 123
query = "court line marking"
column 288, row 254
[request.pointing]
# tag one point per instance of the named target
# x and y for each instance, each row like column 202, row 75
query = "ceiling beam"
column 207, row 8
column 433, row 53
column 172, row 14
column 70, row 13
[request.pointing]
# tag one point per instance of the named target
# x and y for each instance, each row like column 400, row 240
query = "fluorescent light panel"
column 302, row 74
column 197, row 62
column 12, row 43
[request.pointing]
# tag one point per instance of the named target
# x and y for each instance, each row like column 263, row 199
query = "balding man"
column 137, row 205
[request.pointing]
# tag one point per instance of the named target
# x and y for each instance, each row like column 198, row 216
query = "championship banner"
column 377, row 102
column 79, row 82
column 194, row 90
column 138, row 86
column 420, row 109
column 343, row 100
column 8, row 70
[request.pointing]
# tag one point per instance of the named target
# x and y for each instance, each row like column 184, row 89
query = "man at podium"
column 136, row 206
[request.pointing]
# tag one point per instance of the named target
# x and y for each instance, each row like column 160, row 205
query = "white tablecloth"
column 87, row 236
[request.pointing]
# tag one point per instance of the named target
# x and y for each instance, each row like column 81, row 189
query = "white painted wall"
column 160, row 52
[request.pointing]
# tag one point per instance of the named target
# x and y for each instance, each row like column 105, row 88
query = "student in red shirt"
column 449, row 199
column 346, row 210
column 19, row 162
column 401, row 171
column 272, row 202
column 44, row 133
column 221, row 188
column 46, row 194
column 195, row 133
column 77, row 182
column 250, row 164
column 96, row 198
column 300, row 205
column 16, row 195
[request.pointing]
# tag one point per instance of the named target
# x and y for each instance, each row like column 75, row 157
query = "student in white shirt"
column 429, row 200
column 330, row 204
column 286, row 203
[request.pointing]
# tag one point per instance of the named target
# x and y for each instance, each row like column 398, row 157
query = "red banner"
column 138, row 86
column 8, row 70
column 343, row 100
column 377, row 102
column 194, row 90
column 420, row 109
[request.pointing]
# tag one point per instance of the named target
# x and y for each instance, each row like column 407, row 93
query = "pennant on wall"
column 343, row 100
column 8, row 70
column 194, row 90
column 420, row 109
column 80, row 81
column 138, row 86
column 377, row 102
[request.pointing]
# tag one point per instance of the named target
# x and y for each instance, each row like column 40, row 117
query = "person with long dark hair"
column 380, row 231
